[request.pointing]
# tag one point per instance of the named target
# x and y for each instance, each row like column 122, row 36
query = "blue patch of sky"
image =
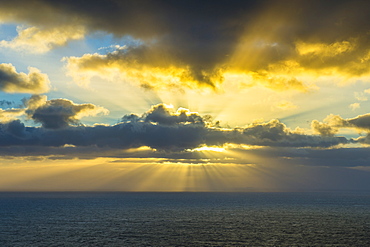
column 15, row 100
column 6, row 104
column 8, row 31
column 103, row 42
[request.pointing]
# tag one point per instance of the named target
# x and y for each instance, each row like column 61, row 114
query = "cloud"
column 361, row 122
column 13, row 82
column 274, row 133
column 44, row 28
column 301, row 65
column 293, row 48
column 149, row 66
column 354, row 106
column 10, row 114
column 59, row 113
column 196, row 44
column 324, row 50
column 41, row 40
column 34, row 102
column 274, row 77
column 360, row 96
column 162, row 114
column 285, row 105
column 323, row 129
column 363, row 139
column 162, row 129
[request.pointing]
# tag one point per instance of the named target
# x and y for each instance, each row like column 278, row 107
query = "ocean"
column 184, row 219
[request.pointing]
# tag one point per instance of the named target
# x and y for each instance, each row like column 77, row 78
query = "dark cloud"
column 15, row 128
column 363, row 139
column 58, row 113
column 361, row 122
column 161, row 114
column 205, row 38
column 13, row 82
column 160, row 128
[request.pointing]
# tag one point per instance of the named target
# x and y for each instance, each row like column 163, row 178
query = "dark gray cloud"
column 361, row 122
column 58, row 113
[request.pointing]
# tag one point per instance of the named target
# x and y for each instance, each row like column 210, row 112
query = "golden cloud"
column 10, row 114
column 13, row 82
column 323, row 129
column 324, row 50
column 41, row 40
column 285, row 105
column 354, row 106
column 149, row 67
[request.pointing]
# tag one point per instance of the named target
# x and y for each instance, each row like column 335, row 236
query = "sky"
column 253, row 96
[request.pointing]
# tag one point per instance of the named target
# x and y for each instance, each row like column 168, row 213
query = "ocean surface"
column 184, row 219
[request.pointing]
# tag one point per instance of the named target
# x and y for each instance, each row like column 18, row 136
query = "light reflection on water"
column 184, row 219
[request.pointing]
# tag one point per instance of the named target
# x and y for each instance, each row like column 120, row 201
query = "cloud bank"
column 160, row 128
column 164, row 134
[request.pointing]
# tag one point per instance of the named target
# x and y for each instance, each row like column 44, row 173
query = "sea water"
column 184, row 219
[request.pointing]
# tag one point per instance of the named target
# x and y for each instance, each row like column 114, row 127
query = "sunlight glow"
column 206, row 148
column 131, row 174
